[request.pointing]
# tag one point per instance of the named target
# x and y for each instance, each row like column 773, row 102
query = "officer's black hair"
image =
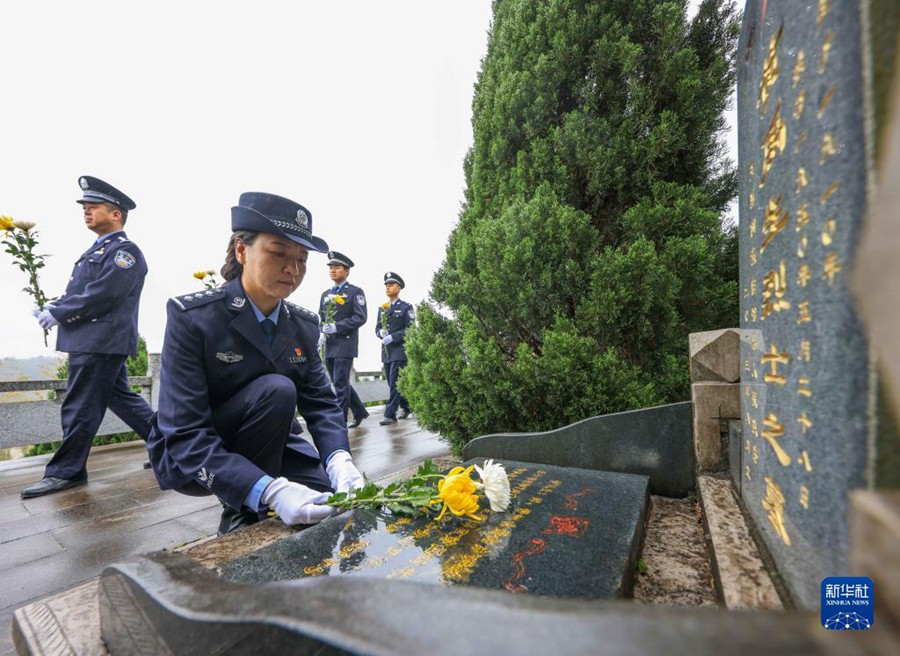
column 232, row 268
column 122, row 211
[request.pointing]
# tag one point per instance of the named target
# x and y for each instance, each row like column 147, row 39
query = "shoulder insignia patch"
column 188, row 301
column 303, row 313
column 124, row 259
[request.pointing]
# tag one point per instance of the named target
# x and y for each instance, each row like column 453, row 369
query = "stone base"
column 739, row 571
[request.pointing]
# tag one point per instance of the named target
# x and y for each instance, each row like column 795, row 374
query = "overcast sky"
column 358, row 110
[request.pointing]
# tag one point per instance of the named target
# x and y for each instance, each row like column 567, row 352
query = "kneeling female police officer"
column 237, row 364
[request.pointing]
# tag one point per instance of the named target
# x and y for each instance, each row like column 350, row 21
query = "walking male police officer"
column 97, row 325
column 393, row 321
column 237, row 364
column 343, row 310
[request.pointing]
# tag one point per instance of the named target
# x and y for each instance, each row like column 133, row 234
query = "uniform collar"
column 261, row 317
column 107, row 237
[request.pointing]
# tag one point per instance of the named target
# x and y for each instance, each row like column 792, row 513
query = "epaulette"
column 190, row 301
column 303, row 312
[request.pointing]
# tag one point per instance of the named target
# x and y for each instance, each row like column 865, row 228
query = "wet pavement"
column 49, row 544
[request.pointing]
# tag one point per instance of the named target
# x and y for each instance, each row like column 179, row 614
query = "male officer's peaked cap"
column 339, row 258
column 275, row 215
column 97, row 191
column 390, row 276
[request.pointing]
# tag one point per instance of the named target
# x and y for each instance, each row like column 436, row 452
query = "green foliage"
column 591, row 241
column 412, row 496
column 137, row 366
column 100, row 440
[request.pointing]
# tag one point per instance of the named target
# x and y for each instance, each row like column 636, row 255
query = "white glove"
column 343, row 473
column 321, row 339
column 329, row 329
column 387, row 339
column 382, row 332
column 46, row 320
column 295, row 503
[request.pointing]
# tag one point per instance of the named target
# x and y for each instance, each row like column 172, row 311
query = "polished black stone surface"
column 657, row 442
column 570, row 533
column 807, row 395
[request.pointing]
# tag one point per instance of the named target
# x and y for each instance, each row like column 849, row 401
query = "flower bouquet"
column 384, row 322
column 20, row 240
column 429, row 492
column 331, row 305
column 208, row 278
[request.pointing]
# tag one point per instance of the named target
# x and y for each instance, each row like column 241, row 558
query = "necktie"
column 335, row 290
column 268, row 327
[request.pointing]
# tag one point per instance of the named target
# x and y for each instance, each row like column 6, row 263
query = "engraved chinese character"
column 802, row 216
column 828, row 148
column 774, row 506
column 802, row 179
column 805, row 422
column 828, row 231
column 802, row 243
column 805, row 349
column 773, row 430
column 770, row 70
column 823, row 54
column 804, row 460
column 774, row 221
column 831, row 267
column 773, row 358
column 803, row 313
column 833, row 187
column 799, row 68
column 773, row 143
column 774, row 290
column 799, row 102
column 804, row 496
column 804, row 273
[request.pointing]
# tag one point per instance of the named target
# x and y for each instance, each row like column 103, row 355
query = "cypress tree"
column 591, row 239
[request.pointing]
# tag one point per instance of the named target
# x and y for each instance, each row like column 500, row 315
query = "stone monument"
column 808, row 382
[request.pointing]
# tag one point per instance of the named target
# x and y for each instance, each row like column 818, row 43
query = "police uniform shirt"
column 214, row 347
column 400, row 316
column 98, row 313
column 348, row 317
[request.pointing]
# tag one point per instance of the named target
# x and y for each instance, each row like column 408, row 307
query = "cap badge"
column 83, row 183
column 302, row 219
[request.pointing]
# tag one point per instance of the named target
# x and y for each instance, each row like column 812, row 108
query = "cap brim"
column 245, row 218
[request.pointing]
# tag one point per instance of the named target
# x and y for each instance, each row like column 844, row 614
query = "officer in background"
column 343, row 310
column 394, row 317
column 97, row 320
column 237, row 363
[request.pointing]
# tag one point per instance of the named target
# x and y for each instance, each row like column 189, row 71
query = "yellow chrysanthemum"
column 200, row 275
column 6, row 223
column 24, row 226
column 385, row 305
column 339, row 300
column 457, row 491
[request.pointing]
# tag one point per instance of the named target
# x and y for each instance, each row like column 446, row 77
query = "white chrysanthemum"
column 495, row 484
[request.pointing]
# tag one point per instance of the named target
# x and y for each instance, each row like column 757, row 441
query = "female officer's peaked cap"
column 276, row 215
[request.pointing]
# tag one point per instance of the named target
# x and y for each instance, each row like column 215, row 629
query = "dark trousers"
column 256, row 423
column 96, row 382
column 339, row 370
column 396, row 399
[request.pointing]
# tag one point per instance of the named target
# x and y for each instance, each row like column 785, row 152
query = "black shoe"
column 51, row 484
column 387, row 421
column 233, row 519
column 403, row 414
column 147, row 465
column 355, row 422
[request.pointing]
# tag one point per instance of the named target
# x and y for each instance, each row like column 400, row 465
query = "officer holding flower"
column 394, row 317
column 342, row 309
column 97, row 325
column 238, row 362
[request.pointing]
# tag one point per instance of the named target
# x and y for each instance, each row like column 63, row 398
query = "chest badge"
column 298, row 356
column 229, row 358
column 124, row 259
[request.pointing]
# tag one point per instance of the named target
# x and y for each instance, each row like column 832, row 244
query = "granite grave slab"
column 807, row 379
column 570, row 533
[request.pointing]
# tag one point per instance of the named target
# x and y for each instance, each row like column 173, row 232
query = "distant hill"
column 36, row 368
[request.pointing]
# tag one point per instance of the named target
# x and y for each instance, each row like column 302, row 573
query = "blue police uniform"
column 98, row 328
column 233, row 380
column 217, row 371
column 393, row 321
column 342, row 346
